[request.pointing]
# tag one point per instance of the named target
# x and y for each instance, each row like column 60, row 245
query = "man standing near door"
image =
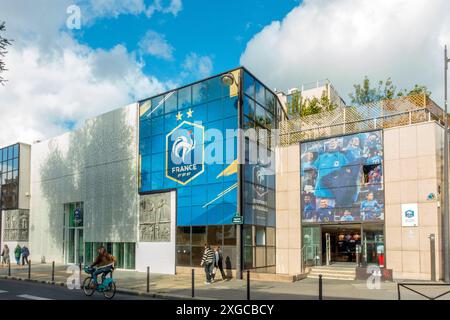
column 218, row 262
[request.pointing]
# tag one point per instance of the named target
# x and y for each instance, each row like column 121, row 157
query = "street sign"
column 238, row 220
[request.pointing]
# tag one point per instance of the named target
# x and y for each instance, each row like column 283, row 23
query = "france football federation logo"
column 409, row 213
column 185, row 152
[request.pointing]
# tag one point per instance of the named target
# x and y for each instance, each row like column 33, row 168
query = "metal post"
column 445, row 184
column 248, row 284
column 79, row 275
column 53, row 271
column 29, row 269
column 398, row 291
column 241, row 160
column 9, row 268
column 320, row 287
column 148, row 279
column 192, row 284
column 433, row 257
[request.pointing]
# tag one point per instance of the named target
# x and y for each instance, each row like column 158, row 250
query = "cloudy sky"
column 131, row 49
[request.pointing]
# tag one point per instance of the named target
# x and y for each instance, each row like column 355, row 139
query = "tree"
column 294, row 106
column 297, row 106
column 4, row 43
column 364, row 93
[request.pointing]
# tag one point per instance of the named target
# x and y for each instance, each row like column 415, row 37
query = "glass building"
column 9, row 177
column 188, row 142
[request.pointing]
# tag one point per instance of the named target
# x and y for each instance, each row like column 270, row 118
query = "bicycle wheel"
column 88, row 284
column 110, row 290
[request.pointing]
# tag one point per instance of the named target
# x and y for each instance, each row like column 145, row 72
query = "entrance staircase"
column 336, row 272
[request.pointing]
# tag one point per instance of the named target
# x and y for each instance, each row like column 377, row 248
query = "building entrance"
column 340, row 244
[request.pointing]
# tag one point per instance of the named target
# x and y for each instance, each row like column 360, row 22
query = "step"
column 332, row 271
column 332, row 277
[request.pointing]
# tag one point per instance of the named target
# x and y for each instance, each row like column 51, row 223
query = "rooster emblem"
column 183, row 146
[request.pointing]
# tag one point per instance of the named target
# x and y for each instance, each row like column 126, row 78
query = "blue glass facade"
column 188, row 143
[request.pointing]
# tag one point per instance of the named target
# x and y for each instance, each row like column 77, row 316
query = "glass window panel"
column 10, row 165
column 260, row 257
column 198, row 236
column 183, row 235
column 199, row 93
column 248, row 235
column 71, row 247
column 229, row 237
column 171, row 102
column 15, row 165
column 270, row 101
column 260, row 93
column 215, row 235
column 215, row 88
column 157, row 106
column 10, row 152
column 130, row 249
column 249, row 108
column 249, row 84
column 229, row 258
column 260, row 236
column 5, row 154
column 270, row 233
column 248, row 256
column 184, row 98
column 197, row 254
column 16, row 151
column 183, row 256
column 271, row 256
column 1, row 155
column 260, row 115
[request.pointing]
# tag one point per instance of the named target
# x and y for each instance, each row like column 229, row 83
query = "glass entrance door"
column 311, row 248
column 73, row 233
column 339, row 243
column 373, row 245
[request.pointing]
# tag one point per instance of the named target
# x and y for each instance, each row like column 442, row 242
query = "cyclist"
column 104, row 263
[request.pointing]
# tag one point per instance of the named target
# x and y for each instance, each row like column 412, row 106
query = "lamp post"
column 445, row 184
column 229, row 79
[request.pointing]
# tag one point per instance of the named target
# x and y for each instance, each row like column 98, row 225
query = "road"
column 24, row 290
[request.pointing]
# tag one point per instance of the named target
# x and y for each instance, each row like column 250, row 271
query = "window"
column 184, row 98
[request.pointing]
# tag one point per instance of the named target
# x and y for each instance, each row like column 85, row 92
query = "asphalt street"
column 25, row 290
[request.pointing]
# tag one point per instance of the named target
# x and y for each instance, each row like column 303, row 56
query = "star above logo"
column 179, row 115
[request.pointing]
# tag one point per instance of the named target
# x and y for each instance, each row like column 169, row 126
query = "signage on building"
column 238, row 220
column 410, row 215
column 185, row 152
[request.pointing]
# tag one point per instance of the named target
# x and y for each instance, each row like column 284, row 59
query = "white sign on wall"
column 410, row 215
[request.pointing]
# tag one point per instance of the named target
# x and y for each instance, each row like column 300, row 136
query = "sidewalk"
column 179, row 286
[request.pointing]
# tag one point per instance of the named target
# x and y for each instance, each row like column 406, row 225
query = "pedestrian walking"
column 218, row 262
column 25, row 254
column 208, row 263
column 17, row 253
column 5, row 255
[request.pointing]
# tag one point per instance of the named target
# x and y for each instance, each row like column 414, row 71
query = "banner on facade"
column 410, row 215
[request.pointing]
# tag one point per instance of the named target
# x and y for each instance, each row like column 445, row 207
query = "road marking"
column 3, row 291
column 27, row 296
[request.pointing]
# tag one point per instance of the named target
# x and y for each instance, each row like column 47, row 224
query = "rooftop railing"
column 377, row 115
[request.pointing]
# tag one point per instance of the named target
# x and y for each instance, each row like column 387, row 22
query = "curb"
column 125, row 291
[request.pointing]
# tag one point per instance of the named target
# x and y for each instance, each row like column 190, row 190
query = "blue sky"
column 219, row 30
column 127, row 50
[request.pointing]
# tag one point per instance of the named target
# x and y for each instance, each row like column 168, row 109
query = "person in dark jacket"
column 208, row 263
column 25, row 254
column 17, row 253
column 218, row 262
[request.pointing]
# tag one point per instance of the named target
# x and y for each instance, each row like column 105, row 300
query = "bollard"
column 29, row 269
column 320, row 287
column 148, row 279
column 9, row 268
column 248, row 284
column 192, row 285
column 53, row 271
column 80, row 273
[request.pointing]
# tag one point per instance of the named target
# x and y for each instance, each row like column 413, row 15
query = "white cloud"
column 53, row 80
column 110, row 8
column 197, row 66
column 173, row 7
column 155, row 44
column 343, row 40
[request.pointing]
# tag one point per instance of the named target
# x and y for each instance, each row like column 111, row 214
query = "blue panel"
column 229, row 211
column 158, row 144
column 199, row 196
column 230, row 107
column 157, row 180
column 215, row 111
column 145, row 129
column 231, row 196
column 184, row 201
column 158, row 162
column 215, row 214
column 214, row 191
column 184, row 216
column 157, row 125
column 199, row 216
column 146, row 164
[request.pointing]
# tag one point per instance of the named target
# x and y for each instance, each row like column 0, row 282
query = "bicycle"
column 107, row 286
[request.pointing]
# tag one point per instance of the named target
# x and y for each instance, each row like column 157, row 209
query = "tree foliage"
column 364, row 92
column 4, row 43
column 299, row 106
